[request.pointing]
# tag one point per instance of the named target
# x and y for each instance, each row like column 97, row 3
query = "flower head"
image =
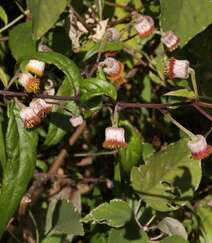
column 177, row 69
column 40, row 107
column 36, row 67
column 112, row 34
column 29, row 82
column 29, row 118
column 114, row 138
column 170, row 40
column 144, row 25
column 199, row 147
column 76, row 120
column 114, row 70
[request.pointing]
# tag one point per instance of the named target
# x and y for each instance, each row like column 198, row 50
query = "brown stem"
column 203, row 112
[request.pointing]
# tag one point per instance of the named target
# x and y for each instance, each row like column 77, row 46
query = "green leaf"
column 44, row 14
column 20, row 40
column 3, row 77
column 174, row 239
column 93, row 87
column 147, row 150
column 204, row 215
column 59, row 123
column 103, row 47
column 116, row 213
column 182, row 93
column 52, row 239
column 21, row 157
column 3, row 156
column 185, row 18
column 146, row 93
column 171, row 226
column 132, row 154
column 169, row 177
column 3, row 15
column 63, row 63
column 129, row 234
column 66, row 219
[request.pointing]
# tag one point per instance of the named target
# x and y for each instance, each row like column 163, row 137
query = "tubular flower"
column 114, row 138
column 112, row 34
column 144, row 25
column 76, row 120
column 29, row 118
column 40, row 107
column 114, row 70
column 36, row 67
column 170, row 40
column 29, row 82
column 199, row 147
column 177, row 69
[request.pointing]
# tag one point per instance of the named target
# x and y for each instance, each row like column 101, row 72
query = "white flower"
column 40, row 107
column 112, row 34
column 144, row 25
column 110, row 66
column 35, row 67
column 177, row 69
column 170, row 40
column 29, row 82
column 29, row 118
column 76, row 120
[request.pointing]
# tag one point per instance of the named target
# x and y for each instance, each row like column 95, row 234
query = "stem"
column 194, row 82
column 203, row 112
column 95, row 154
column 181, row 127
column 13, row 22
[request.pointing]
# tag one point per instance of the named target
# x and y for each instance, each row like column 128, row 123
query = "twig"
column 203, row 112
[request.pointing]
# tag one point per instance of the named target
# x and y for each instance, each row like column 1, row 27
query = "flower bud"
column 76, row 121
column 114, row 138
column 170, row 40
column 199, row 147
column 177, row 69
column 29, row 82
column 114, row 70
column 112, row 34
column 29, row 118
column 36, row 67
column 144, row 25
column 40, row 107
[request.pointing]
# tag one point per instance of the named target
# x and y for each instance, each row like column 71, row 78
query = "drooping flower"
column 76, row 120
column 114, row 70
column 177, row 69
column 114, row 138
column 112, row 34
column 144, row 25
column 29, row 82
column 170, row 40
column 199, row 147
column 29, row 117
column 40, row 107
column 35, row 67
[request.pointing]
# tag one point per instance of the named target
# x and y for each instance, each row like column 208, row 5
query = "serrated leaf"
column 171, row 226
column 66, row 220
column 59, row 122
column 103, row 47
column 130, row 156
column 44, row 14
column 116, row 213
column 93, row 87
column 182, row 93
column 185, row 18
column 3, row 15
column 4, row 77
column 169, row 177
column 20, row 40
column 174, row 239
column 21, row 158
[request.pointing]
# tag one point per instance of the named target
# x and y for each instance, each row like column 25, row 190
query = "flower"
column 114, row 138
column 170, row 40
column 112, row 34
column 40, row 107
column 29, row 118
column 76, row 120
column 177, row 69
column 114, row 70
column 144, row 25
column 199, row 147
column 36, row 67
column 29, row 82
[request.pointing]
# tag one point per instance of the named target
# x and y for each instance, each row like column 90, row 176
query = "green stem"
column 13, row 22
column 194, row 82
column 181, row 127
column 95, row 154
